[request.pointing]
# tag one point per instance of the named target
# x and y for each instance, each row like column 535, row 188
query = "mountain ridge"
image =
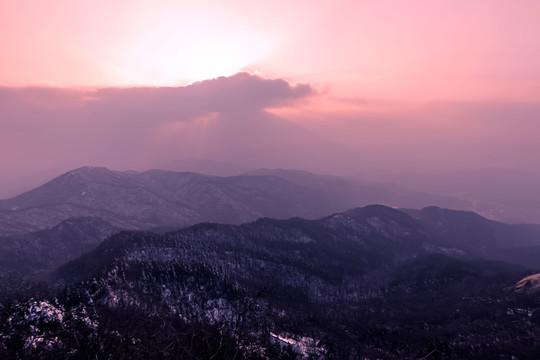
column 167, row 199
column 369, row 281
column 158, row 198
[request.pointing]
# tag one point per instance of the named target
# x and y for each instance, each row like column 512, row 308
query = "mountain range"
column 168, row 200
column 371, row 282
column 74, row 212
column 499, row 194
column 131, row 200
column 106, row 264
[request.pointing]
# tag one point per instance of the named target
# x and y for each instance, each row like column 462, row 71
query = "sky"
column 363, row 88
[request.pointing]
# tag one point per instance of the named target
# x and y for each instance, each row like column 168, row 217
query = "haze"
column 362, row 88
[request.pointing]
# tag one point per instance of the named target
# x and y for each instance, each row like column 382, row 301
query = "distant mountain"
column 47, row 249
column 206, row 167
column 168, row 200
column 432, row 229
column 364, row 238
column 355, row 192
column 160, row 199
column 27, row 259
column 371, row 282
column 499, row 194
column 480, row 236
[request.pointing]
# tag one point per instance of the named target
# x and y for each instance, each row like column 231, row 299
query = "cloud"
column 240, row 93
column 135, row 127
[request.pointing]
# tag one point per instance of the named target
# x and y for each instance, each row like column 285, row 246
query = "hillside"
column 369, row 283
column 159, row 199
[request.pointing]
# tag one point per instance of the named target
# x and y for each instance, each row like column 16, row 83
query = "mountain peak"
column 373, row 210
column 90, row 172
column 89, row 169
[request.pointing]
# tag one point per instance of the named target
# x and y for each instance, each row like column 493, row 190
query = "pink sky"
column 359, row 87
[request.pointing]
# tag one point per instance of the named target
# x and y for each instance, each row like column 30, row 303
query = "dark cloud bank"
column 126, row 127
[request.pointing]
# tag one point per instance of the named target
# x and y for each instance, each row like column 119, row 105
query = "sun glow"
column 172, row 52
